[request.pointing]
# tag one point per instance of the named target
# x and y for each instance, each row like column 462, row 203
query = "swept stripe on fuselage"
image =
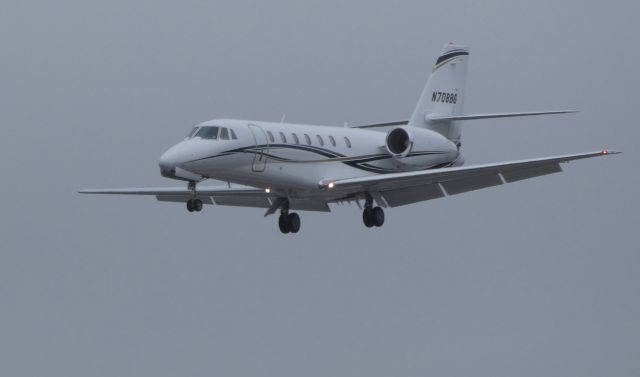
column 358, row 162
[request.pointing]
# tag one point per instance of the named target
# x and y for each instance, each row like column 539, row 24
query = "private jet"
column 288, row 167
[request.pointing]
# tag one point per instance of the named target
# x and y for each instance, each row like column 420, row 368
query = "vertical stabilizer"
column 444, row 93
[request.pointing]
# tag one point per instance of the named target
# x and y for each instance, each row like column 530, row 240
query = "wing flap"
column 242, row 201
column 537, row 171
column 309, row 205
column 458, row 186
column 182, row 198
column 409, row 195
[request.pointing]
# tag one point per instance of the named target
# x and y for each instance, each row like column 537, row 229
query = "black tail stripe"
column 450, row 55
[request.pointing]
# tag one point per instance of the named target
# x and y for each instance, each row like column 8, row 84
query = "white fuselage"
column 295, row 157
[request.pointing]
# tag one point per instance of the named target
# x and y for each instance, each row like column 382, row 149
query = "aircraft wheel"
column 367, row 217
column 377, row 216
column 283, row 223
column 293, row 222
column 197, row 205
column 190, row 206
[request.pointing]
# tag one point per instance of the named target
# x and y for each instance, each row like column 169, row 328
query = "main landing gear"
column 288, row 222
column 194, row 204
column 372, row 216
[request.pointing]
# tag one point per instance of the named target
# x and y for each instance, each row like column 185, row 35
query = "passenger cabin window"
column 233, row 134
column 224, row 134
column 284, row 139
column 320, row 140
column 347, row 141
column 208, row 132
column 271, row 139
column 295, row 138
column 332, row 140
column 308, row 139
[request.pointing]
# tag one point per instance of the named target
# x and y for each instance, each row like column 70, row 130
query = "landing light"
column 331, row 185
column 267, row 190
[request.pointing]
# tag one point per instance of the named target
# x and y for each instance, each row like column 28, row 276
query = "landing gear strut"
column 372, row 216
column 195, row 204
column 288, row 222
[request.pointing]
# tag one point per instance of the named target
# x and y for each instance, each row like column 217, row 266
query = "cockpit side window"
column 208, row 132
column 224, row 134
column 233, row 134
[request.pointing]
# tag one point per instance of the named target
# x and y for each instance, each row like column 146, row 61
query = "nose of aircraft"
column 170, row 159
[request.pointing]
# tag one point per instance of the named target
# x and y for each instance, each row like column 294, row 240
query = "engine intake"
column 399, row 143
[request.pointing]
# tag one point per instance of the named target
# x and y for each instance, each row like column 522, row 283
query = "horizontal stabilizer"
column 436, row 117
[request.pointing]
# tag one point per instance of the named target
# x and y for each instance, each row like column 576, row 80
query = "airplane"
column 297, row 167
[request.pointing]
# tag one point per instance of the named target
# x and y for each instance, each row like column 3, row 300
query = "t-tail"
column 440, row 107
column 444, row 93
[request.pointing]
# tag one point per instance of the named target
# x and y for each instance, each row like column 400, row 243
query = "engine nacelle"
column 399, row 143
column 418, row 147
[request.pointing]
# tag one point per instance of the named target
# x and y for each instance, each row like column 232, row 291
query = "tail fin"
column 443, row 95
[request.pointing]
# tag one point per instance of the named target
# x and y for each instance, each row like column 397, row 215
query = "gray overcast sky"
column 537, row 278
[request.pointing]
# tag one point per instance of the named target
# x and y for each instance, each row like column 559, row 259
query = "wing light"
column 331, row 185
column 605, row 152
column 267, row 190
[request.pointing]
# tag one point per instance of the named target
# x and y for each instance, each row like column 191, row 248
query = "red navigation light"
column 605, row 152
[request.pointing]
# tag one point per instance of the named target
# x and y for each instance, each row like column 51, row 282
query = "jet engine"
column 399, row 143
column 418, row 147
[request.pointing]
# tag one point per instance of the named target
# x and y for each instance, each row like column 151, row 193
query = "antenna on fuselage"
column 284, row 116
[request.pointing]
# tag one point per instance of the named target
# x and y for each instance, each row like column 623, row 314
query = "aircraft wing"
column 220, row 195
column 398, row 189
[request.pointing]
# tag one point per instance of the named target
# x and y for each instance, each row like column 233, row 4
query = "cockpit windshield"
column 213, row 133
column 208, row 132
column 193, row 132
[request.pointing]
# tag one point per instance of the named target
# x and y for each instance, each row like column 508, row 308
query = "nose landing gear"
column 194, row 204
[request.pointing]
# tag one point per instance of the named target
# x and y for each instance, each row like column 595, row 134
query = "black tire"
column 293, row 221
column 377, row 216
column 197, row 205
column 190, row 205
column 283, row 223
column 367, row 217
